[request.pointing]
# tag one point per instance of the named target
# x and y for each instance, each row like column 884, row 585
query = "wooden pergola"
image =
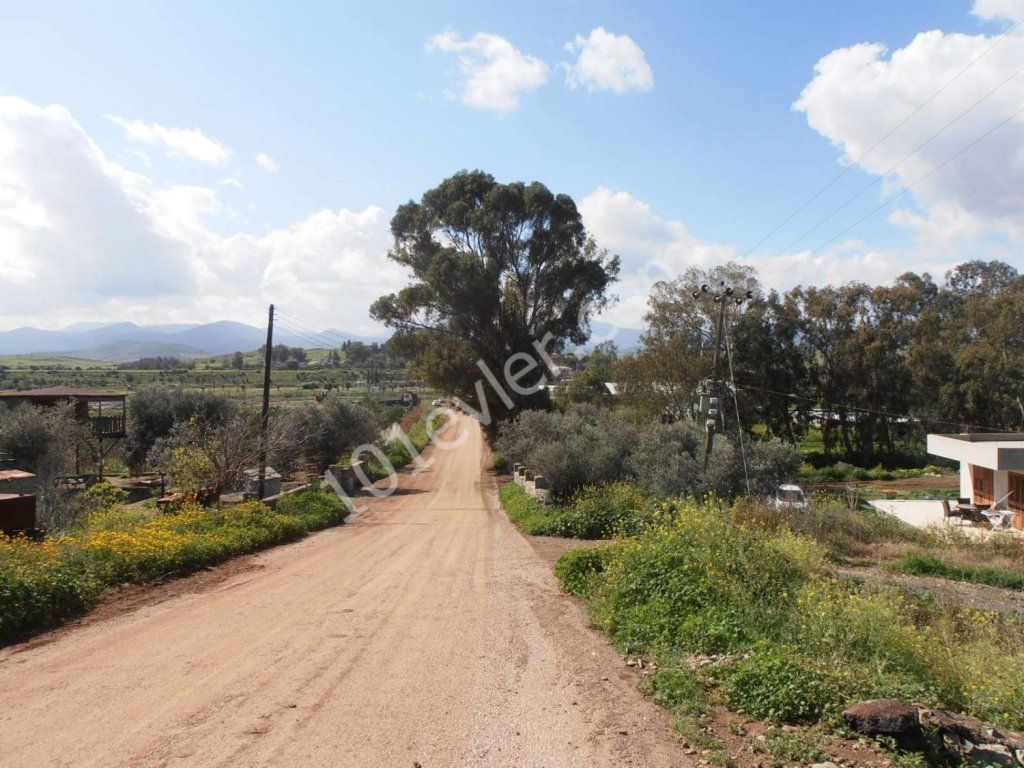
column 106, row 426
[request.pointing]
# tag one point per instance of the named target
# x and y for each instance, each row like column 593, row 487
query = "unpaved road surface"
column 426, row 632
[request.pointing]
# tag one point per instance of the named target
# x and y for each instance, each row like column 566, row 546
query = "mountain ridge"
column 215, row 338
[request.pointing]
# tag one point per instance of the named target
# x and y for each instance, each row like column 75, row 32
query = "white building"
column 991, row 467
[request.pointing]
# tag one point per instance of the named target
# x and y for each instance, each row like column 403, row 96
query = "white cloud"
column 231, row 181
column 654, row 248
column 83, row 238
column 190, row 143
column 608, row 62
column 858, row 93
column 1012, row 10
column 267, row 163
column 494, row 72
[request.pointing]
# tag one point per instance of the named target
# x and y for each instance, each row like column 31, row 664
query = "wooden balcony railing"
column 107, row 426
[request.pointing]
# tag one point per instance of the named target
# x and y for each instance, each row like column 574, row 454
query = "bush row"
column 841, row 472
column 802, row 644
column 587, row 446
column 44, row 583
column 600, row 512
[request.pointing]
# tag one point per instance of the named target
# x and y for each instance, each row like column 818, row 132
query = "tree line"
column 876, row 367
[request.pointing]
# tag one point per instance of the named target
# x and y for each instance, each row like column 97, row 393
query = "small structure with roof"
column 102, row 412
column 251, row 482
column 16, row 481
column 991, row 471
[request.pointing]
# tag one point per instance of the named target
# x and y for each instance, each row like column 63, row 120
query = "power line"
column 874, row 411
column 906, row 157
column 878, row 143
column 301, row 329
column 907, row 188
column 330, row 338
column 302, row 336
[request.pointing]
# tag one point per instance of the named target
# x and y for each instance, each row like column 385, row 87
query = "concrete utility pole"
column 711, row 398
column 265, row 422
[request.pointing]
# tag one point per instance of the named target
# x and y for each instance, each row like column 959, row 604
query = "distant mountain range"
column 121, row 342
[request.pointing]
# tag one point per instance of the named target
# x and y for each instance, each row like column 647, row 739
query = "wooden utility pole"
column 265, row 422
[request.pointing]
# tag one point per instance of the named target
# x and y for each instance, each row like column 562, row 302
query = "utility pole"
column 711, row 399
column 265, row 422
column 714, row 391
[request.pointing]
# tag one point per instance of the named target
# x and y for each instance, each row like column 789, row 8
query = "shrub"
column 154, row 411
column 587, row 446
column 526, row 513
column 779, row 685
column 698, row 583
column 577, row 570
column 601, row 512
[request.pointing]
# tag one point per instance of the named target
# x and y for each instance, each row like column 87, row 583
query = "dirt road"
column 427, row 632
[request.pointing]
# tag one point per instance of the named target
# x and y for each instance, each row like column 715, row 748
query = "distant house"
column 991, row 467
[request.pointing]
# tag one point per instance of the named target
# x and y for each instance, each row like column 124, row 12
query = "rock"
column 887, row 717
column 826, row 764
column 969, row 728
column 960, row 738
column 989, row 754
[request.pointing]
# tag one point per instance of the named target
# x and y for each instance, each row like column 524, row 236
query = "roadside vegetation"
column 419, row 426
column 44, row 583
column 587, row 445
column 738, row 605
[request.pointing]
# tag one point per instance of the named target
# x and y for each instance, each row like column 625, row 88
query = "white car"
column 439, row 403
column 790, row 497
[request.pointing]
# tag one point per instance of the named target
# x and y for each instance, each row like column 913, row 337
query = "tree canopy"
column 496, row 268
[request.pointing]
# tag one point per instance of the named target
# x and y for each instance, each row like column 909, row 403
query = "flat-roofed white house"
column 991, row 468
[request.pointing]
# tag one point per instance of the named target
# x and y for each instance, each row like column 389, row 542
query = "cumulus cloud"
column 189, row 143
column 608, row 62
column 858, row 93
column 1012, row 10
column 654, row 248
column 83, row 238
column 493, row 71
column 267, row 163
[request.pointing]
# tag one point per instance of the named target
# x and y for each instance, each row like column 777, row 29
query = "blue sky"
column 357, row 111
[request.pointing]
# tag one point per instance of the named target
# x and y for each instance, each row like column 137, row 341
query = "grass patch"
column 526, row 513
column 42, row 584
column 712, row 577
column 920, row 564
column 798, row 747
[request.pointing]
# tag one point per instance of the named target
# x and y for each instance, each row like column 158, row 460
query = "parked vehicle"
column 790, row 497
column 439, row 402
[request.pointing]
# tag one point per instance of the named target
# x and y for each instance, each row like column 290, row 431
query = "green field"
column 19, row 372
